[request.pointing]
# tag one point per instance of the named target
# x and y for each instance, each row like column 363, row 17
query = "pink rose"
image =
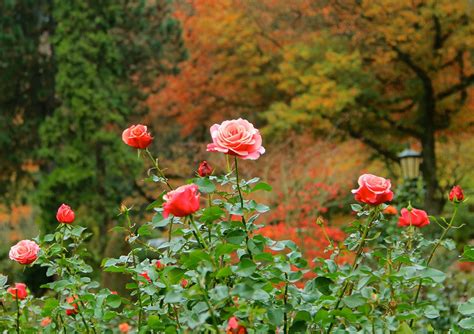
column 19, row 291
column 373, row 190
column 65, row 214
column 24, row 252
column 137, row 136
column 236, row 137
column 181, row 202
column 415, row 217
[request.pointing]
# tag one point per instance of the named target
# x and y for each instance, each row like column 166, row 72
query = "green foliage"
column 26, row 90
column 215, row 265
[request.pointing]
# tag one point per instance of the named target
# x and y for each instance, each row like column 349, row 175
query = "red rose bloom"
column 71, row 301
column 415, row 217
column 19, row 291
column 456, row 194
column 65, row 214
column 233, row 327
column 373, row 190
column 181, row 202
column 137, row 136
column 204, row 169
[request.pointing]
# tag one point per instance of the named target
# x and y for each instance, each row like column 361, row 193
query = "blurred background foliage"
column 338, row 87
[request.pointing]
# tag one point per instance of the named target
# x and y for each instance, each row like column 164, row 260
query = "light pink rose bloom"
column 236, row 137
column 24, row 252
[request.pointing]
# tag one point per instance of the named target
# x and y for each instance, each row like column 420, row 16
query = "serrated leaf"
column 354, row 301
column 467, row 323
column 245, row 268
column 261, row 186
column 467, row 308
column 205, row 185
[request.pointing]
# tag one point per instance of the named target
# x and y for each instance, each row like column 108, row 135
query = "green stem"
column 370, row 221
column 198, row 234
column 443, row 235
column 130, row 227
column 285, row 302
column 170, row 231
column 244, row 223
column 158, row 169
column 17, row 313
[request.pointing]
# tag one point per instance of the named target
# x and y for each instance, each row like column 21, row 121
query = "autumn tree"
column 387, row 73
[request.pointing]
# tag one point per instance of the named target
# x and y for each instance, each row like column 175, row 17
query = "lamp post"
column 410, row 161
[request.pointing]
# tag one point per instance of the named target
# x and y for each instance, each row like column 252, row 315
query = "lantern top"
column 409, row 153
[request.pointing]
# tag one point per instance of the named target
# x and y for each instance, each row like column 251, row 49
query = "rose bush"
column 218, row 270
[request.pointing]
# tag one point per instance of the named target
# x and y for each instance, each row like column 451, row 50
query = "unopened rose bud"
column 184, row 283
column 456, row 194
column 159, row 265
column 205, row 169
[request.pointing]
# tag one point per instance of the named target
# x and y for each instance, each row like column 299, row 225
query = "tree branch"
column 463, row 84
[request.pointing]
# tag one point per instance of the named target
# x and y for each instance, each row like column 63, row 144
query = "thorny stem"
column 170, row 231
column 443, row 235
column 140, row 310
column 370, row 220
column 158, row 169
column 285, row 301
column 17, row 313
column 244, row 223
column 209, row 306
column 198, row 234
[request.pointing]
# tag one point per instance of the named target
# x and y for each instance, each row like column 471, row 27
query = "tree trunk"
column 434, row 203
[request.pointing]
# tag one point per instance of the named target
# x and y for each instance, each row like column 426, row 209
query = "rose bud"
column 415, row 217
column 456, row 194
column 390, row 210
column 124, row 327
column 45, row 321
column 373, row 190
column 182, row 201
column 204, row 169
column 113, row 292
column 19, row 291
column 71, row 301
column 159, row 265
column 236, row 137
column 184, row 283
column 233, row 327
column 137, row 136
column 145, row 275
column 65, row 214
column 24, row 252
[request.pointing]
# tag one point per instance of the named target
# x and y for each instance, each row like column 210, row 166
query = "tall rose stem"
column 370, row 220
column 430, row 257
column 139, row 296
column 199, row 237
column 158, row 169
column 244, row 223
column 17, row 313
